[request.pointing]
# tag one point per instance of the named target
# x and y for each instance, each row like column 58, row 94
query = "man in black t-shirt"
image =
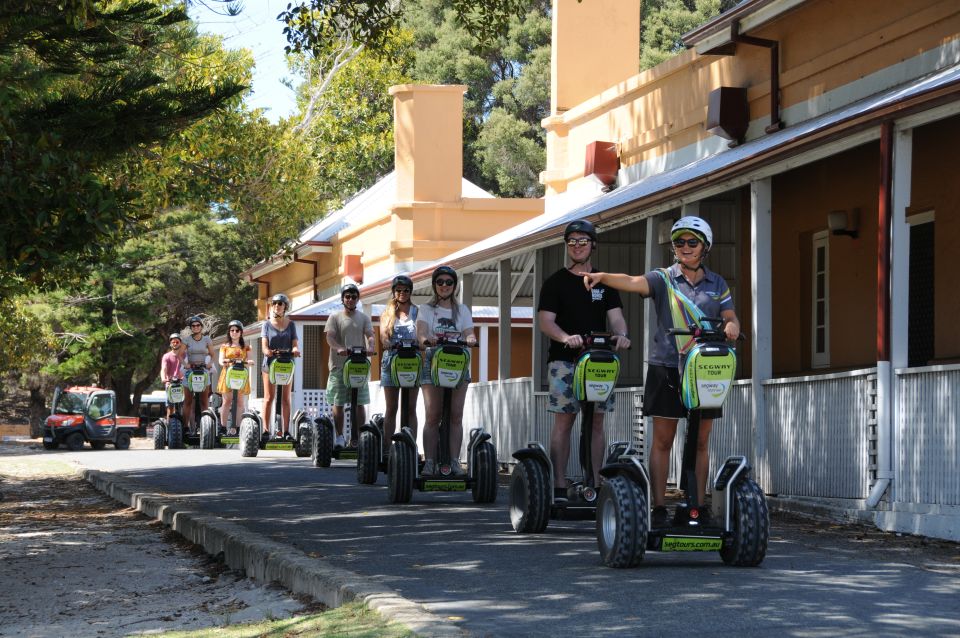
column 566, row 311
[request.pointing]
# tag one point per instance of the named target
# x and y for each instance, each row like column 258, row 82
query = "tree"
column 664, row 21
column 82, row 90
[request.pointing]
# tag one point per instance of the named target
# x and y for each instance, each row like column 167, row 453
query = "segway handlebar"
column 405, row 344
column 446, row 341
column 602, row 340
column 706, row 334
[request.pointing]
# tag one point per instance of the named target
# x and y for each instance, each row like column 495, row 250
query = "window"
column 820, row 306
column 920, row 350
column 101, row 406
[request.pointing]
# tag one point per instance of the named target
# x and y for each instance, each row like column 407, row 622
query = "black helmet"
column 282, row 298
column 444, row 270
column 194, row 319
column 401, row 280
column 235, row 324
column 349, row 288
column 580, row 226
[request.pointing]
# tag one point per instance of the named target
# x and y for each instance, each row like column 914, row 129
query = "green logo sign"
column 444, row 486
column 281, row 372
column 691, row 544
column 405, row 370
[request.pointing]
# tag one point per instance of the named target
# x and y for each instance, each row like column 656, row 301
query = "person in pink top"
column 171, row 365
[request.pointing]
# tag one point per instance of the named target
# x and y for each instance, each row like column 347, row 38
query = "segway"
column 448, row 370
column 741, row 532
column 237, row 377
column 169, row 432
column 206, row 422
column 532, row 501
column 356, row 372
column 251, row 423
column 405, row 374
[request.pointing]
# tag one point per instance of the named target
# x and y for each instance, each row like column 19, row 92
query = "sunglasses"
column 583, row 241
column 693, row 242
column 196, row 325
column 234, row 329
column 402, row 291
column 351, row 297
column 277, row 303
column 444, row 282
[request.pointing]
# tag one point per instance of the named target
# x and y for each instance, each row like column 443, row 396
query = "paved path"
column 463, row 562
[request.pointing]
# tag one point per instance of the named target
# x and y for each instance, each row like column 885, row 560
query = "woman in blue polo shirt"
column 692, row 239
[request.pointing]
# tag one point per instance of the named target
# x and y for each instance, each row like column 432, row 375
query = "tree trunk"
column 38, row 412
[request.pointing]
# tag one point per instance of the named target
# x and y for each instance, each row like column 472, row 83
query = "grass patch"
column 33, row 466
column 353, row 620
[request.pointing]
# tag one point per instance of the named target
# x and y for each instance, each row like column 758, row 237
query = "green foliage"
column 312, row 24
column 113, row 327
column 664, row 21
column 22, row 337
column 510, row 78
column 352, row 134
column 83, row 90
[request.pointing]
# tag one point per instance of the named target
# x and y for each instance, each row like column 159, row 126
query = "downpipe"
column 884, row 432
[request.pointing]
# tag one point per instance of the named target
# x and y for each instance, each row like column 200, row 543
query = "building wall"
column 936, row 188
column 824, row 45
column 802, row 198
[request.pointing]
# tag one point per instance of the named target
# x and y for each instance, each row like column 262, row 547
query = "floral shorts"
column 339, row 394
column 560, row 379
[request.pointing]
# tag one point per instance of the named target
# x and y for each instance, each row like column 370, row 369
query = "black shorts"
column 661, row 395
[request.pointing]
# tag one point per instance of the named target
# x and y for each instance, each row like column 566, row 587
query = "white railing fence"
column 927, row 436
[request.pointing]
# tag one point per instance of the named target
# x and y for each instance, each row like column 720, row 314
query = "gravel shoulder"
column 77, row 563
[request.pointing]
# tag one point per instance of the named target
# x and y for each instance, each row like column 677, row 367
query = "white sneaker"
column 339, row 442
column 456, row 468
column 429, row 468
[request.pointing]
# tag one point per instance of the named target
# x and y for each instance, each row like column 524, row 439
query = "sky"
column 257, row 29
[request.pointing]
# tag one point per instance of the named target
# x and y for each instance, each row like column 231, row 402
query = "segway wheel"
column 174, row 433
column 159, row 435
column 400, row 472
column 249, row 437
column 74, row 442
column 529, row 497
column 367, row 460
column 622, row 522
column 208, row 432
column 304, row 444
column 485, row 474
column 751, row 526
column 98, row 445
column 123, row 441
column 322, row 444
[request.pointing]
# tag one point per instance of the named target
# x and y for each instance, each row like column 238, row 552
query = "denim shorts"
column 560, row 379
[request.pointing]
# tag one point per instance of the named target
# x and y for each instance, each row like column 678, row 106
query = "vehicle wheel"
column 74, row 442
column 485, row 474
column 367, row 461
column 174, row 433
column 249, row 437
column 751, row 526
column 208, row 432
column 159, row 435
column 50, row 445
column 98, row 445
column 400, row 472
column 321, row 449
column 123, row 441
column 304, row 446
column 622, row 523
column 529, row 497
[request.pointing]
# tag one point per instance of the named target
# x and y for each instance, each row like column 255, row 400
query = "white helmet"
column 695, row 225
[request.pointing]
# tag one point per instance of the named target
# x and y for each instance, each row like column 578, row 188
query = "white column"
column 504, row 287
column 761, row 275
column 899, row 298
column 900, row 247
column 484, row 349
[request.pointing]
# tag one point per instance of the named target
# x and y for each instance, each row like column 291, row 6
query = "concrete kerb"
column 269, row 561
